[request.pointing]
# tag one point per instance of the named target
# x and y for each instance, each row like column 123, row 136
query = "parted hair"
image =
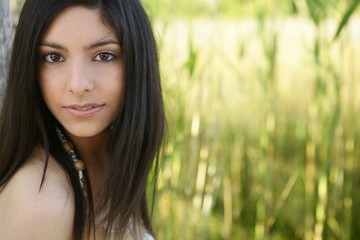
column 136, row 134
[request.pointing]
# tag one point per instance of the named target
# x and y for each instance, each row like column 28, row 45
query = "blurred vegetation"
column 261, row 99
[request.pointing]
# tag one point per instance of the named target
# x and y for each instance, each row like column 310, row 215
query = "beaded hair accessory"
column 78, row 164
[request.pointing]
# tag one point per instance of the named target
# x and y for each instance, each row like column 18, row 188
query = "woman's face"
column 81, row 71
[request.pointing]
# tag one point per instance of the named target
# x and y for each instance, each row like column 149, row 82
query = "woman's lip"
column 85, row 110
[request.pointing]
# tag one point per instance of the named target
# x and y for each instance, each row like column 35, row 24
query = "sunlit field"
column 262, row 99
column 263, row 141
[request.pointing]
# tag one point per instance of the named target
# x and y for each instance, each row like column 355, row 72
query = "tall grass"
column 263, row 138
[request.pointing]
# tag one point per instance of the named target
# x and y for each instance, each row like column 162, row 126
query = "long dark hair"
column 136, row 134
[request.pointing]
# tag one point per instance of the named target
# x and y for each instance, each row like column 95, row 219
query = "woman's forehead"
column 78, row 24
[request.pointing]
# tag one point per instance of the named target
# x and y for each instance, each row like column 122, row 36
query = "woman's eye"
column 104, row 57
column 53, row 58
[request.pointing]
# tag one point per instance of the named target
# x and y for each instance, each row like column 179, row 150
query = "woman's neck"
column 92, row 151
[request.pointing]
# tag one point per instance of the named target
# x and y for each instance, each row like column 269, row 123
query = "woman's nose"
column 79, row 78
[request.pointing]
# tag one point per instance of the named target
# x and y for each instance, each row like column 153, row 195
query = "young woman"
column 81, row 123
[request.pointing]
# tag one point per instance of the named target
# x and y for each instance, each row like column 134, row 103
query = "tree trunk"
column 5, row 42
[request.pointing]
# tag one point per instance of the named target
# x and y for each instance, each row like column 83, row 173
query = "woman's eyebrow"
column 53, row 45
column 101, row 43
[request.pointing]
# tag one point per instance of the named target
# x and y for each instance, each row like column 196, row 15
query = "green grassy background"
column 262, row 102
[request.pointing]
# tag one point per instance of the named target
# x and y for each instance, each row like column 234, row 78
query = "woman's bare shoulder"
column 30, row 212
